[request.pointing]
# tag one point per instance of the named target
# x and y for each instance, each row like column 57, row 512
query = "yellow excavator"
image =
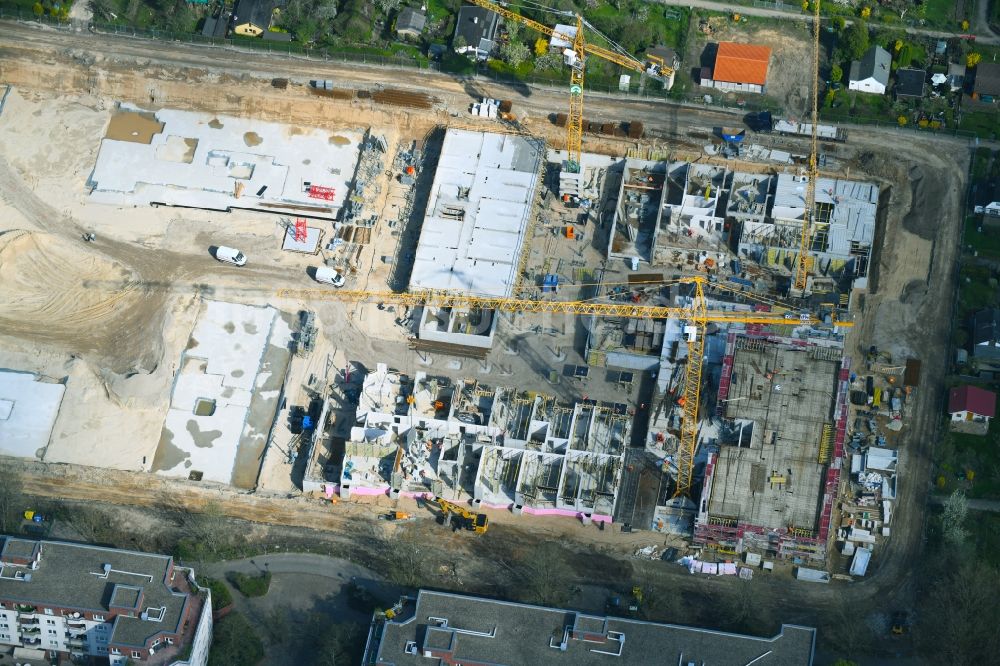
column 458, row 515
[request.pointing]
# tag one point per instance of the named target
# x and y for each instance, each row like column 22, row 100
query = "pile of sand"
column 58, row 292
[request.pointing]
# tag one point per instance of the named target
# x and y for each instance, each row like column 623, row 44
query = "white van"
column 230, row 255
column 329, row 276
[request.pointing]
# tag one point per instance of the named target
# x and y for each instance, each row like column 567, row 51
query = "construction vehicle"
column 636, row 601
column 396, row 515
column 697, row 315
column 575, row 55
column 803, row 264
column 460, row 517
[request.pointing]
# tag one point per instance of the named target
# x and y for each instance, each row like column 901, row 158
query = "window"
column 4, row 625
column 98, row 618
column 135, row 654
column 52, row 632
column 48, row 611
column 170, row 640
column 115, row 651
column 53, row 642
column 50, row 622
column 102, row 650
column 4, row 637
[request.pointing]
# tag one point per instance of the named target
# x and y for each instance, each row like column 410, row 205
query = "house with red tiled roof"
column 739, row 68
column 971, row 404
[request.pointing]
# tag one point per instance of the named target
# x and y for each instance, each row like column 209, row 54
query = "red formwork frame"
column 320, row 192
column 705, row 533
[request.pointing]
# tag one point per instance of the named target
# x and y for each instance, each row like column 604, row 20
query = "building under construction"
column 843, row 229
column 772, row 474
column 502, row 447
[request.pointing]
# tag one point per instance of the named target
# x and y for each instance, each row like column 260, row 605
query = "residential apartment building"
column 87, row 601
column 446, row 628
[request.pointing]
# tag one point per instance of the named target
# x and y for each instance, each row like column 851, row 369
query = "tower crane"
column 575, row 56
column 697, row 315
column 805, row 245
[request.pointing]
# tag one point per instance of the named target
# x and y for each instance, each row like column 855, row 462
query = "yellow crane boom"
column 697, row 315
column 802, row 264
column 576, row 58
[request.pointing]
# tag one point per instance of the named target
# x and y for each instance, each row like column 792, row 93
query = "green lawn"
column 975, row 291
column 985, row 530
column 981, row 163
column 961, row 453
column 986, row 242
column 944, row 15
column 983, row 123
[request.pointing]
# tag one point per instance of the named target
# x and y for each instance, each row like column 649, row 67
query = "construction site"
column 644, row 341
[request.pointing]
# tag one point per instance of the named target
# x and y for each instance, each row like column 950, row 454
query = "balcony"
column 29, row 631
column 27, row 621
column 30, row 640
column 23, row 608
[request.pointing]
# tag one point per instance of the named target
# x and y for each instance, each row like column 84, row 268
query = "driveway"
column 305, row 589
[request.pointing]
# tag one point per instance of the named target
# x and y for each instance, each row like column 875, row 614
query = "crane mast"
column 575, row 56
column 697, row 315
column 802, row 264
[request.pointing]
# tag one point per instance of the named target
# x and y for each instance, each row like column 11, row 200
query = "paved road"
column 982, row 24
column 984, row 34
column 289, row 563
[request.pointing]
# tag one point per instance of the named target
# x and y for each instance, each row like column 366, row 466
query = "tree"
column 37, row 9
column 387, row 6
column 965, row 24
column 958, row 622
column 854, row 40
column 11, row 498
column 514, row 52
column 235, row 643
column 866, row 12
column 839, row 23
column 897, row 45
column 541, row 46
column 836, row 73
column 956, row 509
column 972, row 59
column 326, row 10
column 902, row 121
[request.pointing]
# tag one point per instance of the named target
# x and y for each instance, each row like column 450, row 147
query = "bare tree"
column 956, row 509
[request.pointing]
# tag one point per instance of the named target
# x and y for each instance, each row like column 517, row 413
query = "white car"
column 230, row 255
column 329, row 276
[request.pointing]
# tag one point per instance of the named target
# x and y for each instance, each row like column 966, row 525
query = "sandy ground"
column 165, row 251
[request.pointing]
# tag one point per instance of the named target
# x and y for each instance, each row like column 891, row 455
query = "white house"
column 871, row 73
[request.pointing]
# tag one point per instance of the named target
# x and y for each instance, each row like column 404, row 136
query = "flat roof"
column 851, row 205
column 474, row 630
column 477, row 213
column 213, row 390
column 185, row 158
column 28, row 410
column 768, row 471
column 72, row 576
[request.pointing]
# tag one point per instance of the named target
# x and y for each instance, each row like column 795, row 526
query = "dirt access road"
column 909, row 305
